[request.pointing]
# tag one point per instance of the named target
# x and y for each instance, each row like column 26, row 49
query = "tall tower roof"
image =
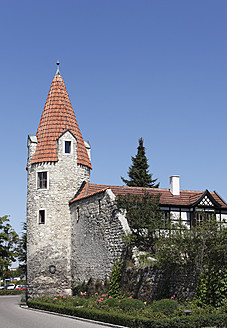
column 58, row 116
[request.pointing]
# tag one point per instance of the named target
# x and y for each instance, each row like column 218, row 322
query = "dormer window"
column 67, row 147
column 42, row 182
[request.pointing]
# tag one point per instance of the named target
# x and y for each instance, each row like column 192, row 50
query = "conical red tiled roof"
column 58, row 116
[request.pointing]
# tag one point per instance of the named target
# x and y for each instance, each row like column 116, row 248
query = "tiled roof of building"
column 57, row 117
column 186, row 197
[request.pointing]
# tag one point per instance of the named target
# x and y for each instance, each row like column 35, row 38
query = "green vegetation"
column 131, row 312
column 138, row 172
column 8, row 244
column 22, row 253
column 144, row 218
column 11, row 292
column 176, row 249
column 115, row 281
column 203, row 249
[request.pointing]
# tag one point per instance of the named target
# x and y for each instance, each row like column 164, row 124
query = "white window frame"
column 71, row 146
column 37, row 180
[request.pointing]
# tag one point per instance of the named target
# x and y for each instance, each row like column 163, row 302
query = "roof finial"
column 58, row 72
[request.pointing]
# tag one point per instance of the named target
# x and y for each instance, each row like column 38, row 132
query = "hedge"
column 10, row 292
column 208, row 320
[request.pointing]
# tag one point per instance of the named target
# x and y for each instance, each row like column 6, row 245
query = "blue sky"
column 151, row 69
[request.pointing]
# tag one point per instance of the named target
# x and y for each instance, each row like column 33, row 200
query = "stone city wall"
column 150, row 283
column 97, row 233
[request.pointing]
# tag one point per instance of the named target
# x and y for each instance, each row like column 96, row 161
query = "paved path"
column 13, row 316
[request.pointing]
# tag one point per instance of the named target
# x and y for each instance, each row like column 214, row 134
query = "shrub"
column 166, row 306
column 115, row 280
column 11, row 292
column 112, row 302
column 218, row 320
column 212, row 287
column 128, row 304
column 80, row 302
column 77, row 289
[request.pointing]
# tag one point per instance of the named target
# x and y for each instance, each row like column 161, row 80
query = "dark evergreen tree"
column 22, row 256
column 138, row 172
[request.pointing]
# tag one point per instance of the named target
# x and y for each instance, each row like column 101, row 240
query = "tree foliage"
column 201, row 250
column 115, row 280
column 202, row 245
column 138, row 172
column 8, row 244
column 22, row 254
column 144, row 218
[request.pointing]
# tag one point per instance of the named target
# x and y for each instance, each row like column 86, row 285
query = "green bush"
column 112, row 302
column 218, row 320
column 166, row 306
column 212, row 287
column 80, row 302
column 128, row 304
column 115, row 280
column 11, row 292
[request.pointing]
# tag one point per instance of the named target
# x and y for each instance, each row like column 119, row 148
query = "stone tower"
column 57, row 164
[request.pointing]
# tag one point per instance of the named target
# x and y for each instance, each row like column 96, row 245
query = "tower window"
column 99, row 205
column 42, row 180
column 41, row 216
column 67, row 147
column 77, row 214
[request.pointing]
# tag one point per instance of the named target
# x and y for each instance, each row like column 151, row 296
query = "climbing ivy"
column 212, row 287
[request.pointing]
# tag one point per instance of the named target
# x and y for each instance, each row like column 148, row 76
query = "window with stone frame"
column 200, row 217
column 67, row 147
column 42, row 180
column 42, row 216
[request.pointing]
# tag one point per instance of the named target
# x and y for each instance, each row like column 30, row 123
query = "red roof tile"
column 186, row 197
column 57, row 117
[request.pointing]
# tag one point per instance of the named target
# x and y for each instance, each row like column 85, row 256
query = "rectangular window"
column 77, row 214
column 42, row 180
column 41, row 216
column 200, row 217
column 165, row 218
column 99, row 202
column 67, row 147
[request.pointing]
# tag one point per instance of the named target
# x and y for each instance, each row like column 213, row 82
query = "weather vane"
column 58, row 71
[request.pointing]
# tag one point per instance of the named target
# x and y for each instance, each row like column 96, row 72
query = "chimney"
column 175, row 185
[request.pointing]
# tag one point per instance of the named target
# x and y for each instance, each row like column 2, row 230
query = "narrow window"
column 165, row 218
column 42, row 180
column 67, row 147
column 41, row 216
column 77, row 214
column 99, row 205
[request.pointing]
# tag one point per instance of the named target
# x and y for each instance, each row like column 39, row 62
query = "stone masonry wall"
column 50, row 243
column 96, row 237
column 150, row 283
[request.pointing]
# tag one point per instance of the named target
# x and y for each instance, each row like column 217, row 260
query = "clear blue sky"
column 132, row 68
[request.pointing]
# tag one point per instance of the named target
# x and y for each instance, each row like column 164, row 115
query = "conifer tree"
column 138, row 172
